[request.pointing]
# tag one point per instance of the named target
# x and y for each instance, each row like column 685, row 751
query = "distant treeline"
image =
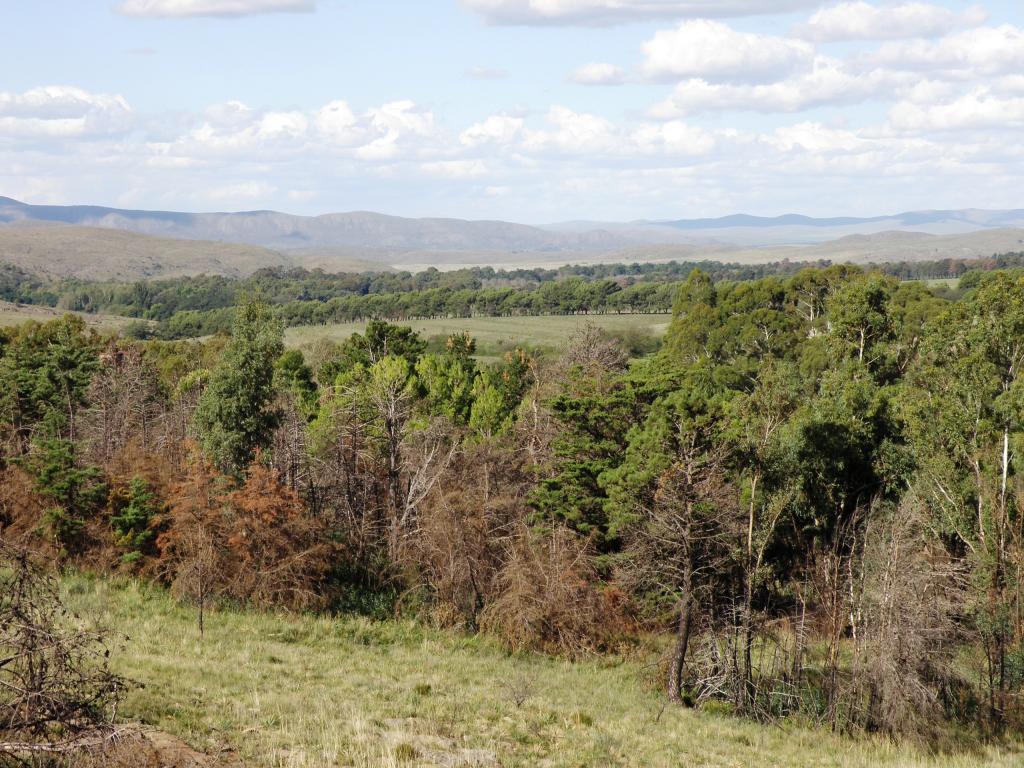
column 186, row 307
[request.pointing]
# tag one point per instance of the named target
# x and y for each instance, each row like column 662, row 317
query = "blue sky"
column 525, row 110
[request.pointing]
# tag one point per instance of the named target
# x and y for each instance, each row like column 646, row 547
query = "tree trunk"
column 677, row 666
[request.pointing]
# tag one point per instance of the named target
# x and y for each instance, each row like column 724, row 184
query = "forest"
column 187, row 307
column 809, row 499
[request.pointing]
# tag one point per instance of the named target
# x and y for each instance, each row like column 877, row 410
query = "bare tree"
column 126, row 405
column 906, row 599
column 192, row 543
column 682, row 545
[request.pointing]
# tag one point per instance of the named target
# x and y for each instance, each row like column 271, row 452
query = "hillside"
column 89, row 242
column 396, row 234
column 891, row 246
column 93, row 253
column 281, row 230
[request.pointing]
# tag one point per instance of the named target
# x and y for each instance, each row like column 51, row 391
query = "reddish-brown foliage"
column 256, row 543
column 280, row 554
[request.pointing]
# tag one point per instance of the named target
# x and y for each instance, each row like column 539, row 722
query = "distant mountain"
column 359, row 229
column 794, row 229
column 93, row 242
column 92, row 253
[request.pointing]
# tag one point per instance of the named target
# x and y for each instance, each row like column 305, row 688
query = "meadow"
column 300, row 691
column 495, row 335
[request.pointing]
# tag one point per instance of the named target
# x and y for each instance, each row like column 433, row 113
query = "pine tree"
column 235, row 417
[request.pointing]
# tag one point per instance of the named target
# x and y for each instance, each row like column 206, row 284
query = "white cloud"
column 245, row 190
column 674, row 138
column 455, row 169
column 61, row 110
column 714, row 51
column 496, row 129
column 229, row 114
column 607, row 12
column 392, row 123
column 828, row 82
column 599, row 74
column 862, row 21
column 978, row 109
column 336, row 122
column 222, row 8
column 816, row 138
column 980, row 52
column 571, row 132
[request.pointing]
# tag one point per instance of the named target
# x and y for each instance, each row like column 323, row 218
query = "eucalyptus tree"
column 964, row 405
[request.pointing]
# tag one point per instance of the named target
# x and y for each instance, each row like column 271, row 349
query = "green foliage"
column 132, row 521
column 234, row 417
column 44, row 375
column 594, row 423
column 294, row 376
column 380, row 340
column 447, row 379
column 76, row 491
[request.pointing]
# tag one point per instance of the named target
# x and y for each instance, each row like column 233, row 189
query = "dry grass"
column 299, row 692
column 15, row 314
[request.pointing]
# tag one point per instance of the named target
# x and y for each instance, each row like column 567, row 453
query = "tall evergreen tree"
column 234, row 417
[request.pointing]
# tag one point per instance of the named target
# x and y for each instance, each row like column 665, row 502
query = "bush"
column 549, row 597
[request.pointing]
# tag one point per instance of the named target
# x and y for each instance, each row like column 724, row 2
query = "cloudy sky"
column 526, row 110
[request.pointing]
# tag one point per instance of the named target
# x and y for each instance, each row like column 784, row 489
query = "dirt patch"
column 131, row 747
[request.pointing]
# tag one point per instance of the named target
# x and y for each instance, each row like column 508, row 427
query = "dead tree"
column 682, row 545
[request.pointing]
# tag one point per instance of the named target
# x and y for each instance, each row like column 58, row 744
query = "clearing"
column 495, row 335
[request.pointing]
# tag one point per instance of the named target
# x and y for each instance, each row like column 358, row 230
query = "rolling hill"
column 91, row 242
column 271, row 229
column 93, row 253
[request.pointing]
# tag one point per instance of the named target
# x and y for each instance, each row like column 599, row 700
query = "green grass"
column 301, row 691
column 494, row 335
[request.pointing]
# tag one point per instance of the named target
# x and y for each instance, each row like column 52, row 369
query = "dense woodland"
column 810, row 499
column 188, row 307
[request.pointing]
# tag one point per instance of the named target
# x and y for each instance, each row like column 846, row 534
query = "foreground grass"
column 494, row 334
column 305, row 691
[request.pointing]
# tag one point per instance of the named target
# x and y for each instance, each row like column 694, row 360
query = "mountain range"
column 95, row 242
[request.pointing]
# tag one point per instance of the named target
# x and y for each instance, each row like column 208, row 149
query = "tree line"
column 810, row 495
column 189, row 307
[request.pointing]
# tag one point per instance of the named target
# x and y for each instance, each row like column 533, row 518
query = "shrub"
column 549, row 597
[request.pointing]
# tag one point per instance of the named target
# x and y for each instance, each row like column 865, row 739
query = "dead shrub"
column 280, row 554
column 905, row 633
column 463, row 530
column 57, row 693
column 21, row 510
column 548, row 596
column 256, row 544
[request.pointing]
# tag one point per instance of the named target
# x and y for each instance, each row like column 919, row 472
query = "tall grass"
column 303, row 691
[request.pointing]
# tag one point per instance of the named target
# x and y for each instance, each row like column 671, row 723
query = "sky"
column 535, row 111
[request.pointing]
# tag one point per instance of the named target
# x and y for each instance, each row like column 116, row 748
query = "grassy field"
column 298, row 692
column 15, row 314
column 495, row 334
